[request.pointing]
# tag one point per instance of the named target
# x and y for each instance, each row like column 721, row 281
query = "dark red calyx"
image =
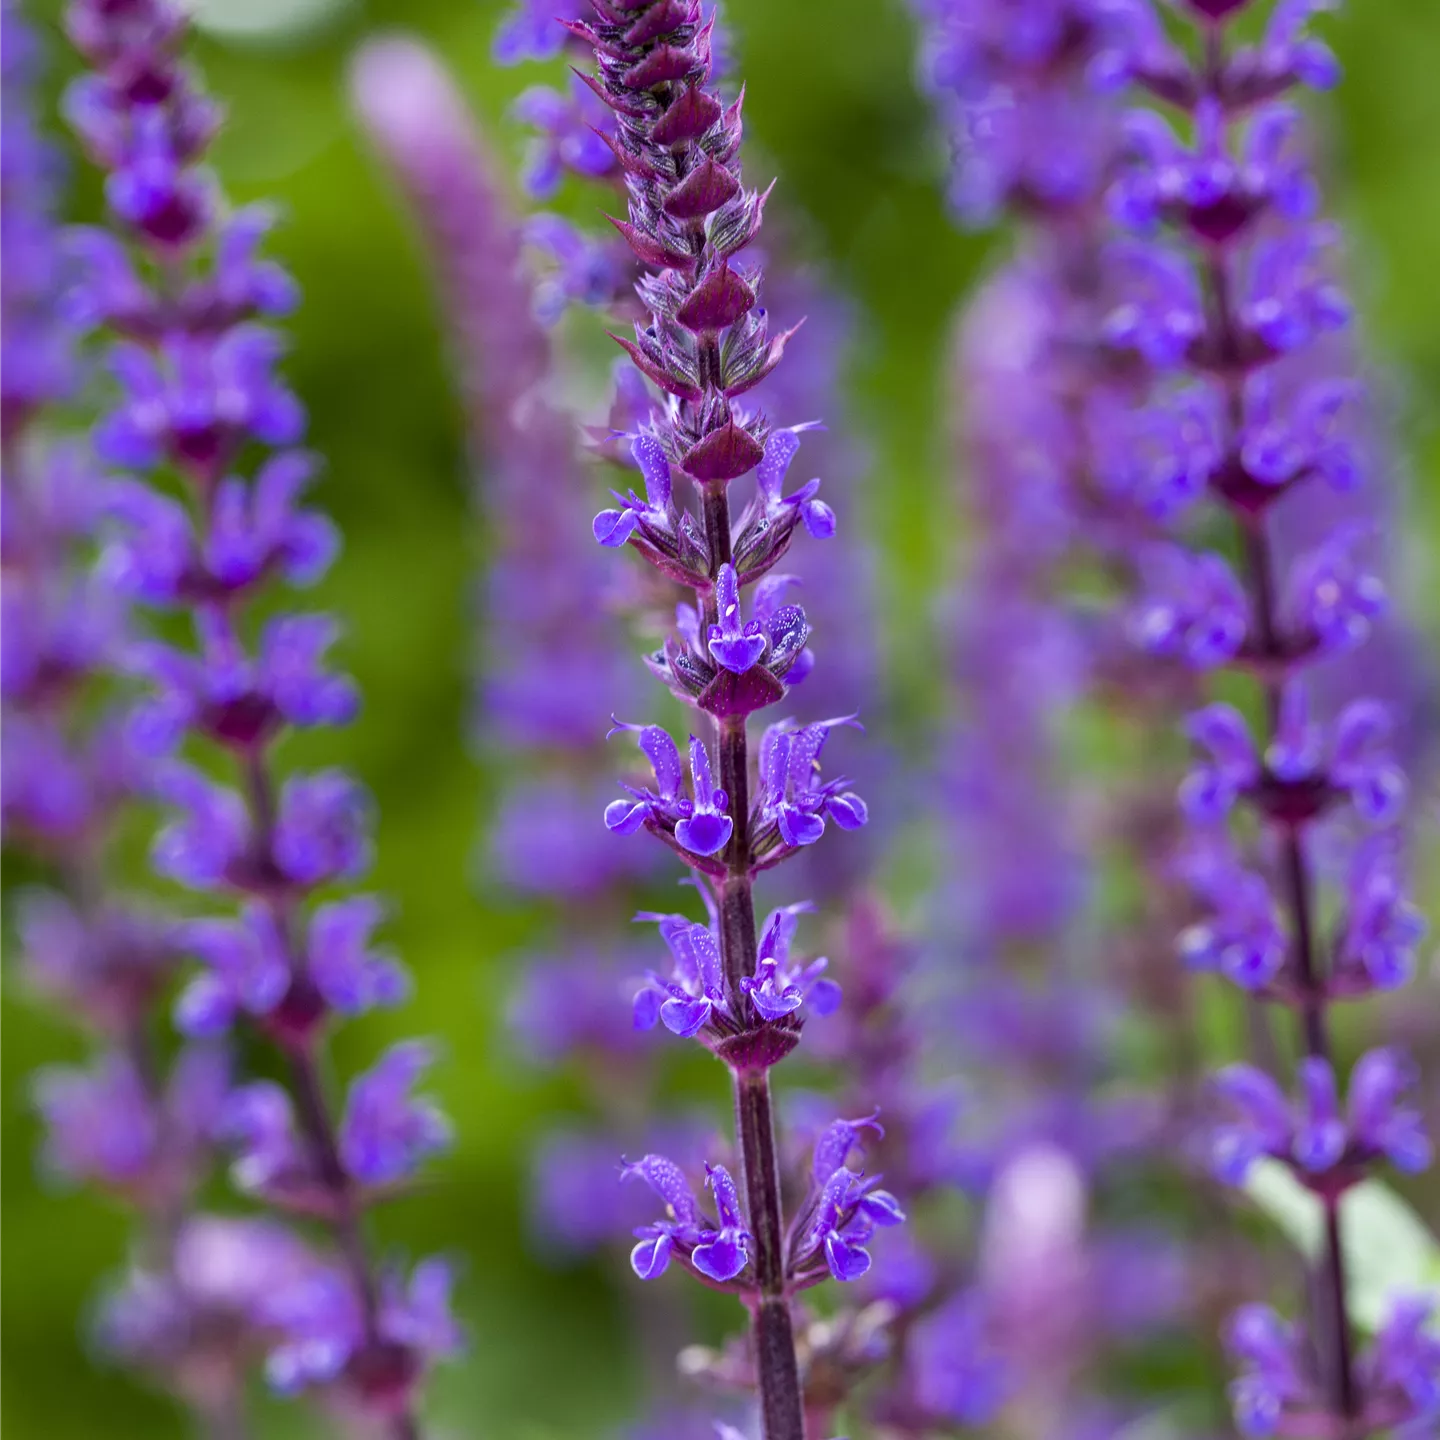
column 724, row 454
column 718, row 301
column 703, row 191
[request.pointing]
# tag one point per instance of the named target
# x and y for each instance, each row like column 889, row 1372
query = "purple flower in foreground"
column 698, row 822
column 716, row 1249
column 704, row 340
column 694, row 998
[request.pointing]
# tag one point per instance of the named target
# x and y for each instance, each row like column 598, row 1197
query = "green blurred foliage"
column 833, row 110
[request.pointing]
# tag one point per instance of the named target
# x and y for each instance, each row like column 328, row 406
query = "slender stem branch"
column 777, row 1369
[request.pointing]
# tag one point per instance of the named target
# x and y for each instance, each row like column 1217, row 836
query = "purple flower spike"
column 179, row 286
column 703, row 339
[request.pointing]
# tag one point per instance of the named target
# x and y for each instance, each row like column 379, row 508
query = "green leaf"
column 1389, row 1250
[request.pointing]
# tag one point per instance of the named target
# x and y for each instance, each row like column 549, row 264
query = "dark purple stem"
column 777, row 1370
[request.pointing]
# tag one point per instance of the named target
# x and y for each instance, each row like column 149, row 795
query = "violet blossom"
column 705, row 343
column 1229, row 222
column 194, row 363
column 127, row 1121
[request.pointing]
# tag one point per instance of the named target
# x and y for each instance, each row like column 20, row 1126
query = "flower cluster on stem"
column 704, row 342
column 133, row 1121
column 1228, row 295
column 201, row 528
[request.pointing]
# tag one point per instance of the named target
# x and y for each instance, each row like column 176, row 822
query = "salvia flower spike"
column 124, row 1121
column 179, row 285
column 704, row 342
column 1225, row 291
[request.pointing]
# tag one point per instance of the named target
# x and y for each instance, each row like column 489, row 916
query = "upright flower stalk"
column 1231, row 308
column 179, row 285
column 704, row 344
column 133, row 1121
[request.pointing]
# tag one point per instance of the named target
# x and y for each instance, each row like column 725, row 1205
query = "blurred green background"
column 832, row 108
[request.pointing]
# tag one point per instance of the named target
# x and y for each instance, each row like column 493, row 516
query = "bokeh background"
column 833, row 110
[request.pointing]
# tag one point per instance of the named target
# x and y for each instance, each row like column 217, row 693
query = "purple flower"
column 320, row 832
column 532, row 30
column 1193, row 608
column 249, row 970
column 256, row 530
column 795, row 801
column 566, row 139
column 717, row 1249
column 1327, row 1149
column 110, row 966
column 578, row 1205
column 735, row 645
column 200, row 1318
column 197, row 400
column 1381, row 929
column 1295, row 779
column 198, row 390
column 1273, row 1378
column 323, row 1337
column 1400, row 1371
column 777, row 988
column 1243, row 936
column 699, row 824
column 955, row 1369
column 237, row 700
column 580, row 269
column 109, row 1125
column 843, row 1209
column 695, row 992
column 386, row 1132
